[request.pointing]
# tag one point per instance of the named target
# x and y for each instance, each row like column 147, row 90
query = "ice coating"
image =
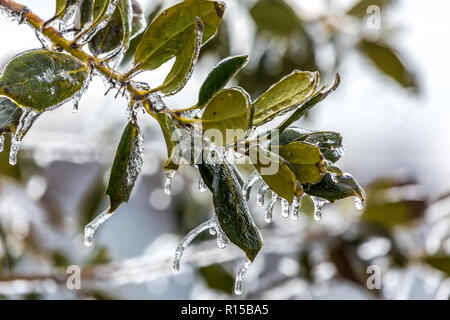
column 168, row 183
column 251, row 180
column 25, row 122
column 240, row 276
column 90, row 228
column 261, row 193
column 318, row 206
column 269, row 208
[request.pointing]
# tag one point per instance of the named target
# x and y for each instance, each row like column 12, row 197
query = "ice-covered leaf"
column 266, row 12
column 276, row 173
column 165, row 36
column 9, row 115
column 288, row 93
column 117, row 33
column 306, row 160
column 333, row 188
column 185, row 60
column 216, row 80
column 229, row 112
column 126, row 167
column 388, row 62
column 168, row 128
column 232, row 209
column 58, row 76
column 329, row 142
column 439, row 262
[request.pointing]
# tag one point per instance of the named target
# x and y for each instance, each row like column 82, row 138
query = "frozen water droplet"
column 285, row 208
column 269, row 208
column 251, row 180
column 187, row 239
column 222, row 240
column 168, row 183
column 26, row 120
column 212, row 231
column 296, row 203
column 202, row 186
column 2, row 142
column 240, row 276
column 318, row 205
column 156, row 101
column 75, row 107
column 90, row 228
column 261, row 194
column 359, row 203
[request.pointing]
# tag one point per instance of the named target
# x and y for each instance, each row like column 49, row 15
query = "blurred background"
column 391, row 108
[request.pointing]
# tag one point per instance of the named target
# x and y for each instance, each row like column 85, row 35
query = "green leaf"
column 392, row 214
column 439, row 262
column 275, row 16
column 335, row 188
column 288, row 93
column 117, row 33
column 359, row 10
column 168, row 128
column 306, row 159
column 218, row 278
column 233, row 213
column 329, row 143
column 9, row 115
column 185, row 61
column 388, row 62
column 165, row 36
column 58, row 76
column 276, row 172
column 228, row 112
column 222, row 73
column 126, row 167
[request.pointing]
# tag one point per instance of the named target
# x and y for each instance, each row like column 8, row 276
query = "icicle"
column 240, row 276
column 26, row 120
column 168, row 183
column 90, row 228
column 318, row 205
column 296, row 203
column 46, row 43
column 2, row 142
column 285, row 208
column 261, row 194
column 251, row 180
column 269, row 208
column 359, row 203
column 185, row 242
column 202, row 186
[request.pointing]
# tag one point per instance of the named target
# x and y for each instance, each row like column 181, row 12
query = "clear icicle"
column 240, row 276
column 90, row 228
column 318, row 205
column 201, row 185
column 185, row 242
column 359, row 203
column 2, row 142
column 269, row 208
column 26, row 120
column 168, row 183
column 285, row 208
column 251, row 180
column 296, row 204
column 261, row 194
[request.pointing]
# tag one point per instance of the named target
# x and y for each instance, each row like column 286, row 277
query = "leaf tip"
column 220, row 8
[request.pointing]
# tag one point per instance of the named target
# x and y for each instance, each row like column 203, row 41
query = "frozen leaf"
column 9, row 115
column 266, row 12
column 58, row 76
column 126, row 167
column 222, row 73
column 185, row 61
column 230, row 111
column 333, row 188
column 388, row 62
column 306, row 160
column 168, row 128
column 288, row 93
column 165, row 36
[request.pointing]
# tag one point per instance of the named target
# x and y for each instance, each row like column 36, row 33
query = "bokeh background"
column 391, row 108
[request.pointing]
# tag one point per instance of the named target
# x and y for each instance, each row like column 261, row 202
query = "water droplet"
column 202, row 186
column 269, row 208
column 168, row 183
column 251, row 180
column 212, row 231
column 318, row 205
column 26, row 120
column 240, row 276
column 188, row 239
column 261, row 194
column 359, row 203
column 296, row 204
column 285, row 208
column 90, row 228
